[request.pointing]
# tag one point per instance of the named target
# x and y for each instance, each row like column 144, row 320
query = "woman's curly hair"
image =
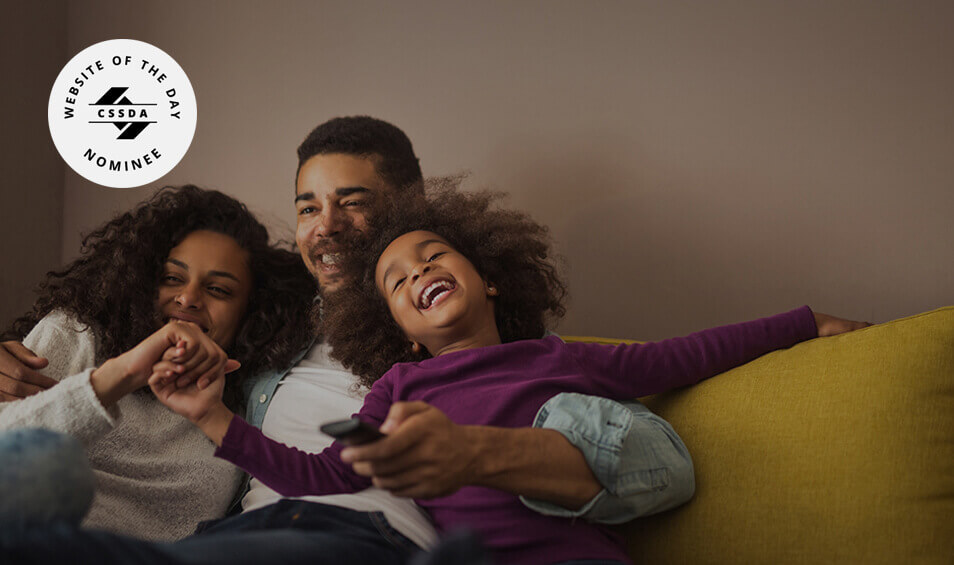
column 113, row 286
column 506, row 247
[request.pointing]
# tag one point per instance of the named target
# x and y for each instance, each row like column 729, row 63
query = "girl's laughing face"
column 433, row 292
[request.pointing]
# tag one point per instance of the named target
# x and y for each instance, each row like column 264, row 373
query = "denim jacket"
column 639, row 459
column 642, row 464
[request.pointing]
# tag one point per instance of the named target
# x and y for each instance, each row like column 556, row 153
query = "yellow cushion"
column 837, row 450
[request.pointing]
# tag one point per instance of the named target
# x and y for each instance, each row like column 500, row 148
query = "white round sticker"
column 122, row 113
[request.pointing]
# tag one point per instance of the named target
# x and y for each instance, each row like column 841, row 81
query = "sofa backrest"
column 837, row 450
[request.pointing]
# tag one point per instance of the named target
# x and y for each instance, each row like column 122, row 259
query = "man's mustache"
column 343, row 244
column 349, row 248
column 315, row 253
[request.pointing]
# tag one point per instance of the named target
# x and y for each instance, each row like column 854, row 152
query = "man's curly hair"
column 506, row 247
column 364, row 136
column 113, row 286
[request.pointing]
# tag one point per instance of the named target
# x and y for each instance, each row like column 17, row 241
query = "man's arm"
column 640, row 460
column 596, row 459
column 426, row 455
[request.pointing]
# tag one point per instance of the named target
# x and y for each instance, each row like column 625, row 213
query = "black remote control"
column 352, row 431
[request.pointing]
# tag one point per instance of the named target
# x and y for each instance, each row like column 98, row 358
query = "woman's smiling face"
column 206, row 280
column 433, row 292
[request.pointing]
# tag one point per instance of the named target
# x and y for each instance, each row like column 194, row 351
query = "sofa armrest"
column 837, row 450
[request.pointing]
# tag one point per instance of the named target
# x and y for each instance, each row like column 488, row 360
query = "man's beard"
column 349, row 250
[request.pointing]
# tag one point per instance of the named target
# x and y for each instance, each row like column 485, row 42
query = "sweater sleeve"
column 288, row 470
column 630, row 371
column 71, row 406
column 292, row 472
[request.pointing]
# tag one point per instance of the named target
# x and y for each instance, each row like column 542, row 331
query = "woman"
column 187, row 266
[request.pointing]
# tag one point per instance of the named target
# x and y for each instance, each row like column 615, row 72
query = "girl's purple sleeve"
column 629, row 371
column 287, row 470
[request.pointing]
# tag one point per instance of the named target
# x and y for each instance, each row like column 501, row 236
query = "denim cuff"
column 630, row 451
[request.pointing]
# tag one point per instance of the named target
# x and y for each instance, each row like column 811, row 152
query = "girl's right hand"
column 201, row 406
column 183, row 365
column 192, row 402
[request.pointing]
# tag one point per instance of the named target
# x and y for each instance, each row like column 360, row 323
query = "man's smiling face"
column 334, row 197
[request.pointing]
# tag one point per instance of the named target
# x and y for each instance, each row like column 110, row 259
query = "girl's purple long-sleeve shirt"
column 504, row 385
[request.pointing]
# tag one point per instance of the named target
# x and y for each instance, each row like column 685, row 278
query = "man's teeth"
column 427, row 296
column 330, row 258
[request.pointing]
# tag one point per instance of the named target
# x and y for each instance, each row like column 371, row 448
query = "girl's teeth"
column 428, row 299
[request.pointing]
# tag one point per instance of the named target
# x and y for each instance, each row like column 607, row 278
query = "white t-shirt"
column 319, row 390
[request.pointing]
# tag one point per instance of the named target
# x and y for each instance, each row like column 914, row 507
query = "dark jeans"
column 287, row 532
column 45, row 477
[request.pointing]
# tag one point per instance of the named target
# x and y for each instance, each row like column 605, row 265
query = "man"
column 345, row 166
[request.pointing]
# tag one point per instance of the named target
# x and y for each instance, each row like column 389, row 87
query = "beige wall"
column 32, row 51
column 699, row 162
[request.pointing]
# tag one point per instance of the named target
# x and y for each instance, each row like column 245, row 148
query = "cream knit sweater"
column 156, row 476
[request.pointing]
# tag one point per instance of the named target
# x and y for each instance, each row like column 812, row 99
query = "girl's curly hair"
column 506, row 247
column 113, row 286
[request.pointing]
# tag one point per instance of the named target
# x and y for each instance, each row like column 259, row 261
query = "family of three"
column 491, row 426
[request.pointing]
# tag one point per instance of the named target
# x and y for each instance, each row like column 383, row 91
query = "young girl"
column 464, row 290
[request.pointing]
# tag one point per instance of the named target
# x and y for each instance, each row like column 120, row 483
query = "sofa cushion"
column 839, row 449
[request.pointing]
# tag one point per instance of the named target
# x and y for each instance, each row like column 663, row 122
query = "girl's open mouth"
column 435, row 292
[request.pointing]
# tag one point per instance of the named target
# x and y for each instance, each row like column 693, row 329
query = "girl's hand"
column 191, row 402
column 830, row 325
column 203, row 407
column 172, row 369
column 198, row 359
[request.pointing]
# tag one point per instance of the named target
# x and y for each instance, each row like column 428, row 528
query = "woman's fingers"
column 176, row 352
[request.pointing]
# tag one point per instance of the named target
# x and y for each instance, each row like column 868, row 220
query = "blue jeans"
column 46, row 487
column 287, row 532
column 45, row 478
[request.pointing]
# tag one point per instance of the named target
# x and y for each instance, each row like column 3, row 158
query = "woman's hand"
column 830, row 325
column 183, row 365
column 197, row 355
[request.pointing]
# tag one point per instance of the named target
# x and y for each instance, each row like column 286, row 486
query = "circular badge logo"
column 122, row 113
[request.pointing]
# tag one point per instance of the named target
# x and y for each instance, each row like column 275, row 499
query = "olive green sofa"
column 837, row 450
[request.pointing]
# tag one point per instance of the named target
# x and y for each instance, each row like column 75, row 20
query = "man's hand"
column 18, row 372
column 424, row 455
column 830, row 325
